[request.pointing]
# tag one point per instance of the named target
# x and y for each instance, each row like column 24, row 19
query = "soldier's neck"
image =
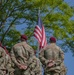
column 53, row 43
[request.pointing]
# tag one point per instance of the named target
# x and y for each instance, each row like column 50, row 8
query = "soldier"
column 6, row 61
column 52, row 58
column 2, row 61
column 24, row 59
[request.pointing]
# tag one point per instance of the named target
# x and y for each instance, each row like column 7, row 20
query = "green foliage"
column 12, row 37
column 56, row 16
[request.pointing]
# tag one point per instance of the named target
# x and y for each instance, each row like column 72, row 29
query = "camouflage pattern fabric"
column 5, row 63
column 2, row 61
column 53, row 55
column 35, row 66
column 22, row 53
column 10, row 70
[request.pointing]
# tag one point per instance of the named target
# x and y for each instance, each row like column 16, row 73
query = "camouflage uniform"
column 5, row 63
column 8, row 63
column 2, row 61
column 22, row 53
column 53, row 53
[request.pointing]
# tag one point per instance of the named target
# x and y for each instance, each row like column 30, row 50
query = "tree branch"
column 8, row 29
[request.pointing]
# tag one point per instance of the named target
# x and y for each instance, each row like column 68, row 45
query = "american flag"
column 39, row 33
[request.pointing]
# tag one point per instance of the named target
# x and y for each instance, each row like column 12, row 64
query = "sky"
column 70, row 2
column 69, row 63
column 69, row 59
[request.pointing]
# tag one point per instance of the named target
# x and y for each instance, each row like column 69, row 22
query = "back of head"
column 23, row 37
column 52, row 39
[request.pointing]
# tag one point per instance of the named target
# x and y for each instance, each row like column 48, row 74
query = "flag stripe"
column 38, row 38
column 39, row 33
column 37, row 27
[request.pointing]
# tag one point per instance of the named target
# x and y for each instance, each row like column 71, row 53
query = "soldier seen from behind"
column 5, row 64
column 24, row 59
column 2, row 60
column 52, row 58
column 8, row 62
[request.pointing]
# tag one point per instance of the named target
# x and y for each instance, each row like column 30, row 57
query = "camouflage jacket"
column 52, row 52
column 21, row 53
column 2, row 58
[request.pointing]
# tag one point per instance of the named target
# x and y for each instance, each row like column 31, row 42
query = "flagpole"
column 38, row 33
column 37, row 53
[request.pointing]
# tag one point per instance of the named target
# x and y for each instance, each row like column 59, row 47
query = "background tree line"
column 56, row 16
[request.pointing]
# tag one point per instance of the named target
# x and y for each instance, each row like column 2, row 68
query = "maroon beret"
column 24, row 37
column 53, row 39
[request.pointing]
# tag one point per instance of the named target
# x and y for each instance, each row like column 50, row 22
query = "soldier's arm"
column 2, row 56
column 13, row 57
column 16, row 56
column 31, row 51
column 31, row 54
column 20, row 53
column 42, row 58
column 61, row 58
column 9, row 64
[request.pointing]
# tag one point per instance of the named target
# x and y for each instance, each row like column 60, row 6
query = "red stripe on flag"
column 40, row 36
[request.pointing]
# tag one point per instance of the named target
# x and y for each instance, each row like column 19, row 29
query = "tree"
column 56, row 16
